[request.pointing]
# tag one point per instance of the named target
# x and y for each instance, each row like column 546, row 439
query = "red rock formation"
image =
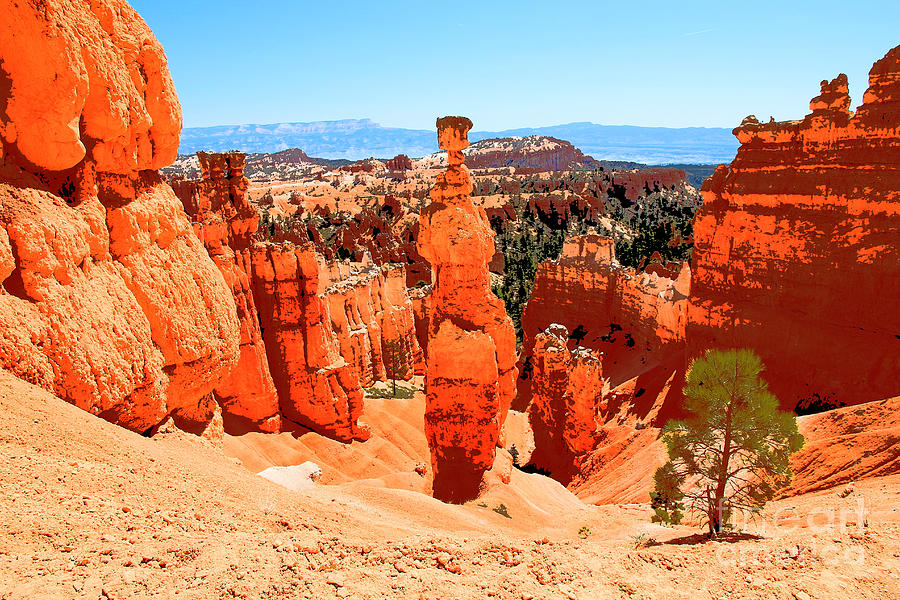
column 627, row 451
column 125, row 311
column 386, row 232
column 796, row 249
column 281, row 165
column 369, row 165
column 634, row 318
column 634, row 324
column 370, row 310
column 499, row 213
column 540, row 153
column 470, row 378
column 567, row 387
column 85, row 79
column 225, row 221
column 317, row 387
column 108, row 297
column 401, row 162
column 551, row 209
column 421, row 301
column 638, row 181
column 361, row 307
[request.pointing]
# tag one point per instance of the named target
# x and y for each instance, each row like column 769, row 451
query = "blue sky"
column 514, row 64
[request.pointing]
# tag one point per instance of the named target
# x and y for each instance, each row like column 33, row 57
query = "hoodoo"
column 568, row 388
column 224, row 221
column 470, row 376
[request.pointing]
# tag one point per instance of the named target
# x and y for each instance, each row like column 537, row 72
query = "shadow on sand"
column 702, row 538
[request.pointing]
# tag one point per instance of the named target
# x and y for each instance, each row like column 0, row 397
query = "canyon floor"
column 90, row 510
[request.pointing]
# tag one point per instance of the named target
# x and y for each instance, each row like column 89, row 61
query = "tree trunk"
column 711, row 516
column 718, row 500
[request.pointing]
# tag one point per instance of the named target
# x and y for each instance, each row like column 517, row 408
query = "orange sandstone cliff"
column 317, row 387
column 108, row 297
column 635, row 318
column 796, row 248
column 470, row 376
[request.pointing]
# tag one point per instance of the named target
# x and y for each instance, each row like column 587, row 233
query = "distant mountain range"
column 355, row 139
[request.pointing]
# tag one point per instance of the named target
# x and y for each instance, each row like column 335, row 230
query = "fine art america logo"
column 831, row 536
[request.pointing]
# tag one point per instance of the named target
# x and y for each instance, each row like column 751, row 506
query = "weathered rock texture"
column 225, row 221
column 317, row 388
column 373, row 318
column 594, row 408
column 118, row 310
column 568, row 388
column 108, row 297
column 632, row 317
column 796, row 248
column 470, row 377
column 401, row 162
column 85, row 79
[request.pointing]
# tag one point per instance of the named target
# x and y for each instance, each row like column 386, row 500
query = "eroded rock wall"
column 796, row 256
column 372, row 316
column 317, row 387
column 135, row 305
column 796, row 248
column 108, row 297
column 633, row 317
column 633, row 183
column 114, row 307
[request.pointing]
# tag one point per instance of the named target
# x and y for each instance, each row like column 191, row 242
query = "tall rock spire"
column 470, row 378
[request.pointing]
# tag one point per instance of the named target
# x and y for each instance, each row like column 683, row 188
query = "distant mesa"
column 356, row 139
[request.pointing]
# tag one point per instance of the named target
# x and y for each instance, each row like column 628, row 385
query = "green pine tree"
column 396, row 362
column 733, row 451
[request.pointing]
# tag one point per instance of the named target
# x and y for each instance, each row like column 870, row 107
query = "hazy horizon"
column 474, row 130
column 512, row 65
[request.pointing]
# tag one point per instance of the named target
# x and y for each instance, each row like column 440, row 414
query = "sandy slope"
column 90, row 510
